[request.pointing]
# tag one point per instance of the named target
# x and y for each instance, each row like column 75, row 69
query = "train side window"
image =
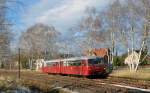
column 75, row 63
column 105, row 59
column 65, row 63
column 78, row 63
column 70, row 63
column 51, row 64
column 95, row 61
column 48, row 64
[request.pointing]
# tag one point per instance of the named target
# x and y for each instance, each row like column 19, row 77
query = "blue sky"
column 62, row 14
column 19, row 10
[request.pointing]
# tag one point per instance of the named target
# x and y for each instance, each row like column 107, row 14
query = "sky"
column 62, row 14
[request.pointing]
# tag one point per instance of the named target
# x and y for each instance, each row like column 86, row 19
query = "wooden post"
column 19, row 63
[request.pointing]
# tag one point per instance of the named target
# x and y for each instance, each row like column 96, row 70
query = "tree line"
column 121, row 26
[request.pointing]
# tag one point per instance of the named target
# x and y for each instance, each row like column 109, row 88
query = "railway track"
column 95, row 85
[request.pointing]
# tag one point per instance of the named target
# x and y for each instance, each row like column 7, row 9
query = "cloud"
column 66, row 11
column 61, row 14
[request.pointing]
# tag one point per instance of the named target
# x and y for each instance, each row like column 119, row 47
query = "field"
column 142, row 73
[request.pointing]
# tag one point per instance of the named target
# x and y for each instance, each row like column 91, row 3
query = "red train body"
column 84, row 66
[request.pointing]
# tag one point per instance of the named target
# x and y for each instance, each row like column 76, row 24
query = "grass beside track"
column 143, row 73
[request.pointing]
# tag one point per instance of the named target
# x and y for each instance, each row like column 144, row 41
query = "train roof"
column 79, row 58
column 72, row 59
column 50, row 61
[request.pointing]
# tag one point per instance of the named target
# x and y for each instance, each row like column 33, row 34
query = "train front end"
column 97, row 67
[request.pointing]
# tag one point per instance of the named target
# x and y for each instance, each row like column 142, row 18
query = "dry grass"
column 7, row 83
column 142, row 73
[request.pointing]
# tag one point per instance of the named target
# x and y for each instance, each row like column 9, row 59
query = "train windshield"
column 96, row 61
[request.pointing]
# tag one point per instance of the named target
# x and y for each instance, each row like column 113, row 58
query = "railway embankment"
column 10, row 84
column 43, row 83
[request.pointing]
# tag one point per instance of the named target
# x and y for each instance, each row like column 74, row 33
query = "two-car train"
column 83, row 66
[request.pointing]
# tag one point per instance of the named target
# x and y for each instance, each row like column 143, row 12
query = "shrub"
column 118, row 61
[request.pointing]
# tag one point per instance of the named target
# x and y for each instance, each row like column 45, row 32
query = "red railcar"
column 85, row 66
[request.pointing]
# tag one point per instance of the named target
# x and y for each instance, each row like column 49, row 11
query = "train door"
column 61, row 67
column 83, row 67
column 77, row 67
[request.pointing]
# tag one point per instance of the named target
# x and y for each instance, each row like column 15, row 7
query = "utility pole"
column 19, row 63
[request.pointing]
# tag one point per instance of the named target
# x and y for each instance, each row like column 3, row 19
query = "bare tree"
column 91, row 26
column 126, row 23
column 40, row 40
column 5, row 32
